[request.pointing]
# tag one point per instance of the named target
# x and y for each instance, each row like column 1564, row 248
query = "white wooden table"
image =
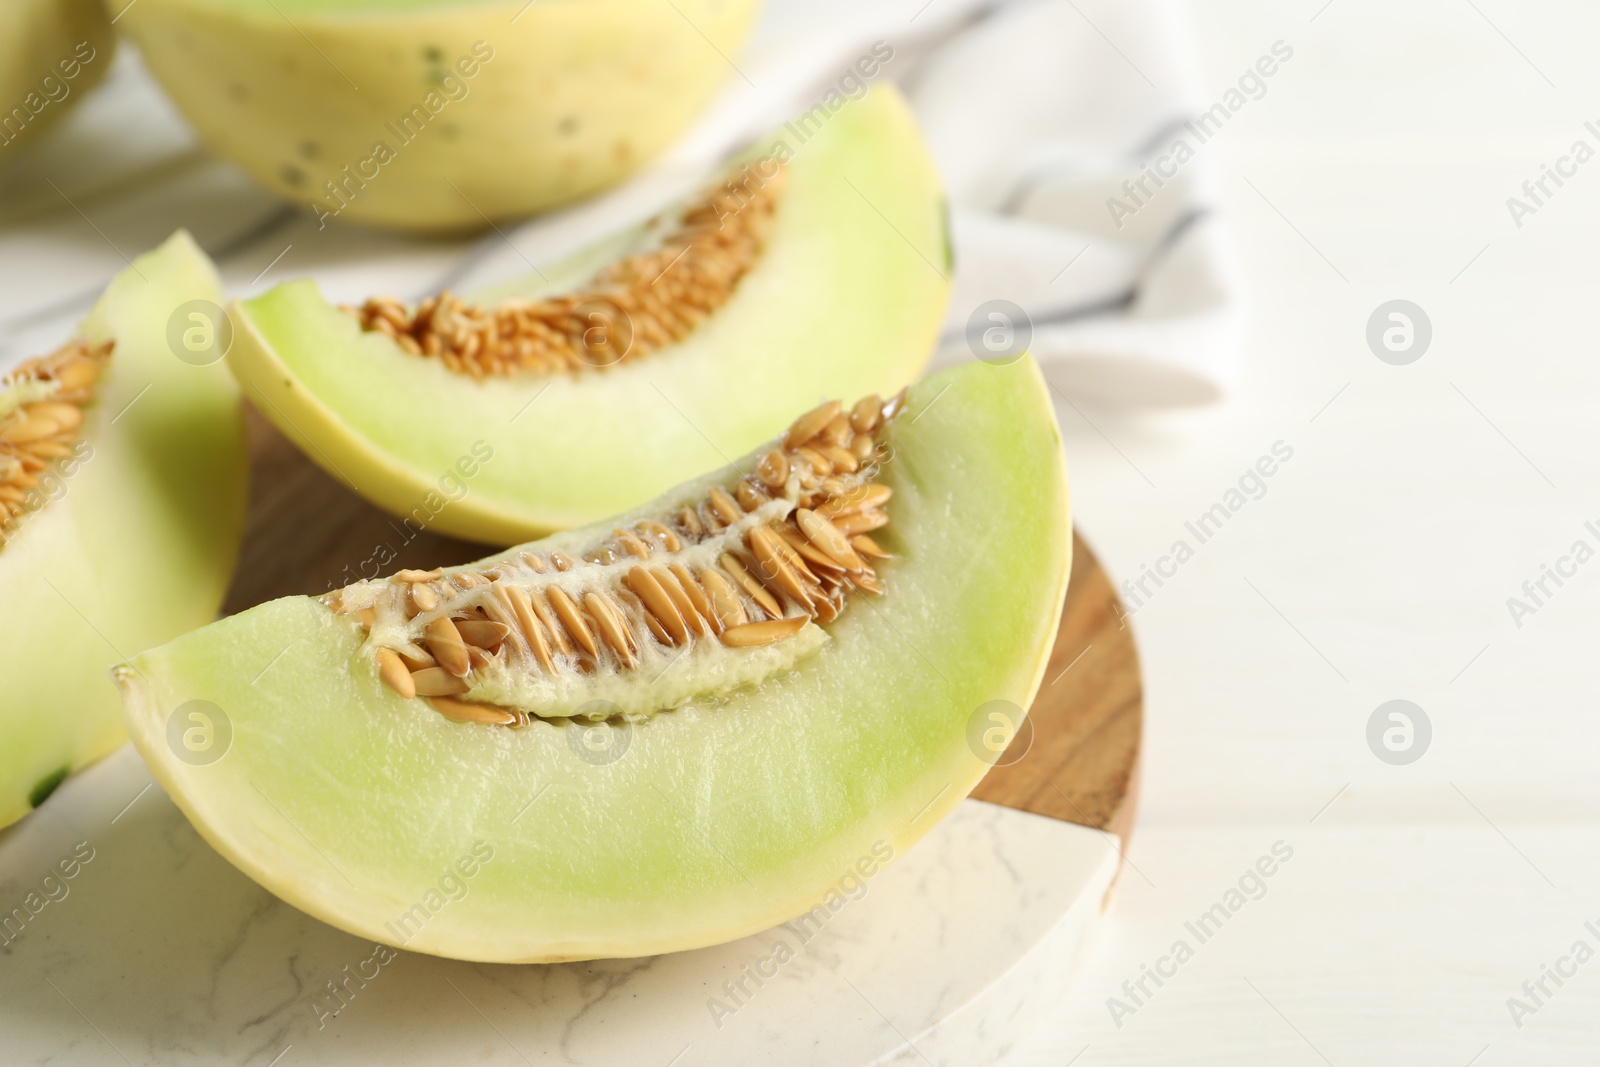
column 1377, row 566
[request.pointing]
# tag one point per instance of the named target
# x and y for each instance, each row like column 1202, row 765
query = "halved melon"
column 816, row 269
column 439, row 114
column 665, row 731
column 122, row 489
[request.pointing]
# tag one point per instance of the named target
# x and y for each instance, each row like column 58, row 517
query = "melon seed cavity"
column 728, row 581
column 41, row 416
column 631, row 308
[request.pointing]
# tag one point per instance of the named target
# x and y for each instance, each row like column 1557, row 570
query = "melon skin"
column 138, row 545
column 846, row 300
column 41, row 43
column 381, row 817
column 530, row 108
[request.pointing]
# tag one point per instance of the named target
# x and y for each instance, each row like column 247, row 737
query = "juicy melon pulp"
column 137, row 539
column 842, row 301
column 699, row 825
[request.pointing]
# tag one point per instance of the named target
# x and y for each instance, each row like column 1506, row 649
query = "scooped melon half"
column 122, row 487
column 816, row 268
column 746, row 727
column 52, row 52
column 439, row 114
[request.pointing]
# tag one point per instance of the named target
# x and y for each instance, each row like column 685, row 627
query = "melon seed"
column 726, row 609
column 487, row 635
column 567, row 612
column 444, row 641
column 464, row 711
column 436, row 682
column 394, row 673
column 678, row 593
column 861, row 522
column 864, row 416
column 827, row 537
column 773, row 469
column 723, row 504
column 659, row 604
column 763, row 633
column 810, row 424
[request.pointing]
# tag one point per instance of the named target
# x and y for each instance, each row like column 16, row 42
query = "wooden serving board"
column 1076, row 759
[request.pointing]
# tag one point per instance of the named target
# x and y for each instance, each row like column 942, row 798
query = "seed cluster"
column 41, row 412
column 776, row 572
column 631, row 308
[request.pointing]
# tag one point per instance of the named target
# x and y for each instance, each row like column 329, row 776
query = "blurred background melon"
column 52, row 52
column 438, row 115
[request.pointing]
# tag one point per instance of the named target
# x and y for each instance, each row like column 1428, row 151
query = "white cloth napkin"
column 1036, row 110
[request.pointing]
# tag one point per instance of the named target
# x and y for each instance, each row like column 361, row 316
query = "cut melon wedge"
column 844, row 298
column 129, row 536
column 715, row 813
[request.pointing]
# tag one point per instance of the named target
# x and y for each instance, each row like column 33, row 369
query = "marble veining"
column 157, row 951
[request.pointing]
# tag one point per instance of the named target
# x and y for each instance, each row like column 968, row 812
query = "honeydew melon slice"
column 723, row 815
column 129, row 538
column 844, row 298
column 438, row 114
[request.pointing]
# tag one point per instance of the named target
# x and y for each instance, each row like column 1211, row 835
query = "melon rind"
column 516, row 106
column 41, row 42
column 845, row 300
column 141, row 541
column 717, row 821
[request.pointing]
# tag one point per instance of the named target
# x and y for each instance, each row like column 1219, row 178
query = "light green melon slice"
column 701, row 824
column 136, row 537
column 844, row 300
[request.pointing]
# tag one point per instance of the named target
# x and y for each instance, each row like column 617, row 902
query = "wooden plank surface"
column 1077, row 760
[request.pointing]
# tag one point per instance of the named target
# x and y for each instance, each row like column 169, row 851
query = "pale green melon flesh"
column 138, row 546
column 719, row 819
column 844, row 301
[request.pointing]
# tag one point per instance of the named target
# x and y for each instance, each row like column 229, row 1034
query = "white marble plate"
column 156, row 951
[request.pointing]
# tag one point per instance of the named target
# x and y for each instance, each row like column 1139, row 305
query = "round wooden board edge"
column 1076, row 758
